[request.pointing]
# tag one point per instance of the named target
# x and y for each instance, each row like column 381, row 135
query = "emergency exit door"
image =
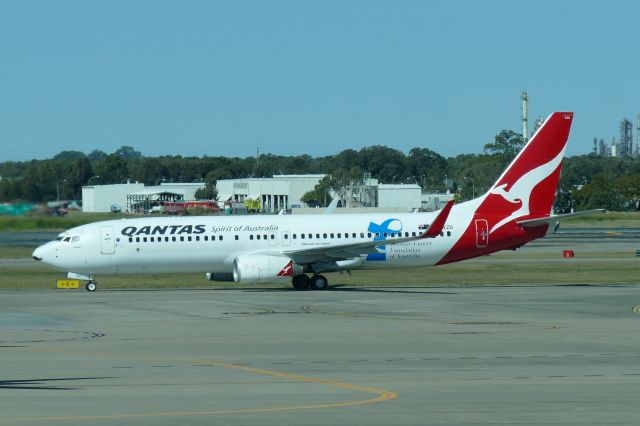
column 482, row 233
column 107, row 240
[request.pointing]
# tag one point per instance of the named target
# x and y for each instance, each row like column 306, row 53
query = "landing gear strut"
column 91, row 285
column 303, row 282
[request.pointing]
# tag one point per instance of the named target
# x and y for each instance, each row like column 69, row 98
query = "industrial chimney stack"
column 524, row 97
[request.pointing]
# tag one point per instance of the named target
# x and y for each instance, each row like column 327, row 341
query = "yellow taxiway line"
column 380, row 395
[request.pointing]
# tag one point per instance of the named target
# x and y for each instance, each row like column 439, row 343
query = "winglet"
column 438, row 223
column 332, row 206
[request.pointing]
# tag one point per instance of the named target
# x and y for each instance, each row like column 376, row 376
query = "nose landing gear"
column 91, row 285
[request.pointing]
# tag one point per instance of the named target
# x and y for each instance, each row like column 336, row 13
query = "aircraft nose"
column 37, row 254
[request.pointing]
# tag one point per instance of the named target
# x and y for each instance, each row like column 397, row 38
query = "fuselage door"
column 482, row 233
column 107, row 240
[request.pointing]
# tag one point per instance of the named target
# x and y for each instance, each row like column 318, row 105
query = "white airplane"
column 517, row 209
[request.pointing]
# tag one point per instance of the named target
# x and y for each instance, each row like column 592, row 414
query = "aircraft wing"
column 532, row 223
column 332, row 253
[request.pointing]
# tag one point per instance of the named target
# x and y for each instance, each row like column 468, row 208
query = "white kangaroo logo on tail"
column 521, row 189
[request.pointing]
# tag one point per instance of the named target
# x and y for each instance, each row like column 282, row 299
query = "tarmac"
column 538, row 355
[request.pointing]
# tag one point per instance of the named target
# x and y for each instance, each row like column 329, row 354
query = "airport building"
column 269, row 195
column 273, row 194
column 135, row 197
column 407, row 196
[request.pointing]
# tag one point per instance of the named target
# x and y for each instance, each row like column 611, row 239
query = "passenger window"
column 251, row 237
column 258, row 236
column 181, row 238
column 137, row 239
column 301, row 236
column 310, row 236
column 346, row 235
column 144, row 239
column 152, row 240
column 318, row 236
column 219, row 237
column 273, row 237
column 339, row 235
column 286, row 236
column 331, row 235
column 362, row 235
column 237, row 238
column 369, row 234
column 166, row 239
column 413, row 234
column 189, row 238
column 406, row 234
column 294, row 236
column 206, row 238
column 324, row 235
column 448, row 233
column 130, row 239
column 441, row 234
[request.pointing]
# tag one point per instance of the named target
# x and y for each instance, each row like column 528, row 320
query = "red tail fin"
column 524, row 191
column 527, row 187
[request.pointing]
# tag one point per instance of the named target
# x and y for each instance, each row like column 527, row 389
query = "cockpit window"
column 60, row 237
column 75, row 239
column 66, row 239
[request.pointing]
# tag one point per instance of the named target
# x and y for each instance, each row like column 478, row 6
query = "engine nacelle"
column 220, row 276
column 260, row 268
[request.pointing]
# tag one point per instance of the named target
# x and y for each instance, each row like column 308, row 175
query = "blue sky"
column 293, row 77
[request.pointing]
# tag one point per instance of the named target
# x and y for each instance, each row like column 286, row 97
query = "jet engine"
column 220, row 276
column 260, row 268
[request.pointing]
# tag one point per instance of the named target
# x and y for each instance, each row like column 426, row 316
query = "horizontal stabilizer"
column 533, row 223
column 438, row 223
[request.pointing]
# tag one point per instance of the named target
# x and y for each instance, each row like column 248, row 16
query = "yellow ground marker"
column 68, row 284
column 636, row 309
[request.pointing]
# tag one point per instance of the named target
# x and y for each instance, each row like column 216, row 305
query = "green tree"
column 68, row 155
column 505, row 147
column 127, row 152
column 207, row 193
column 599, row 194
column 629, row 189
column 113, row 169
column 320, row 195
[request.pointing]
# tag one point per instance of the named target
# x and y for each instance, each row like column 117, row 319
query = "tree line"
column 587, row 181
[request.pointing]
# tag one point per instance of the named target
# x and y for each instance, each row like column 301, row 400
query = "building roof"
column 398, row 186
column 155, row 191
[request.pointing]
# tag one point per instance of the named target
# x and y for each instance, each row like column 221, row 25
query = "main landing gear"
column 304, row 282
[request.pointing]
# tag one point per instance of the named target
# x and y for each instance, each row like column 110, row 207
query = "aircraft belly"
column 171, row 262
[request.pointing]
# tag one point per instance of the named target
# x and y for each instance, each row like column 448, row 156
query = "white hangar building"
column 275, row 193
column 130, row 196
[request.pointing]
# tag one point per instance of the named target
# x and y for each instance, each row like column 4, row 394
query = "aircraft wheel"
column 319, row 282
column 300, row 282
column 91, row 286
